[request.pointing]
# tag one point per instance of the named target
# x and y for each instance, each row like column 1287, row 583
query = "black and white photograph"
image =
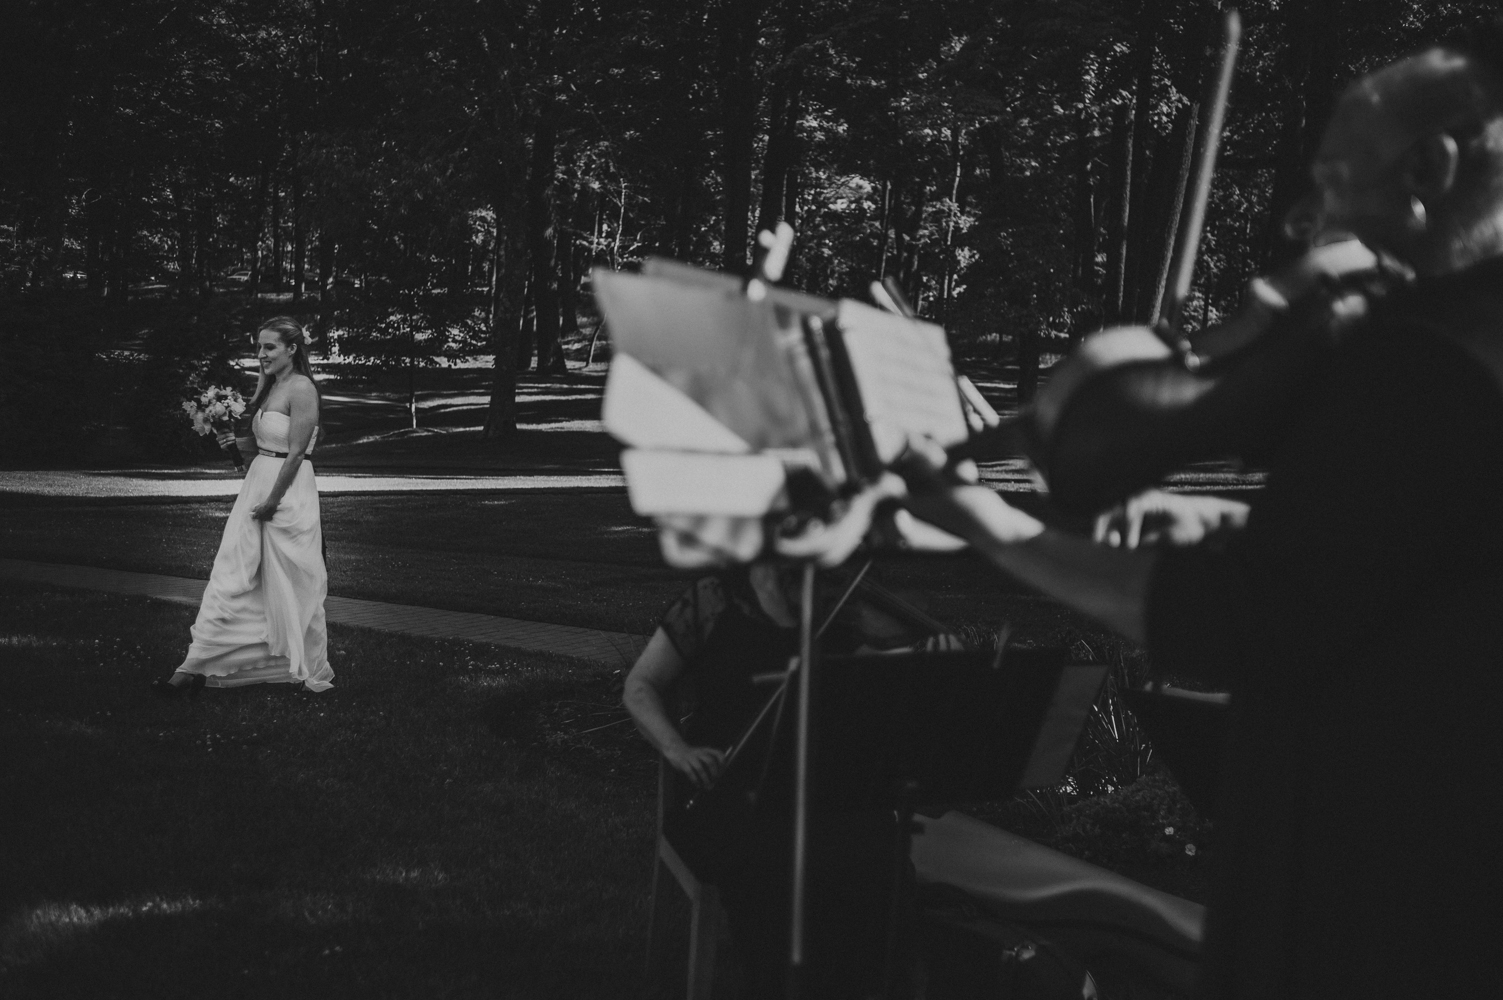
column 751, row 499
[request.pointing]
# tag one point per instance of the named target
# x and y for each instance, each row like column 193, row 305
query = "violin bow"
column 1187, row 247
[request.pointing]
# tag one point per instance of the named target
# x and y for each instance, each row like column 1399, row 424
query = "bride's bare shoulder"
column 301, row 387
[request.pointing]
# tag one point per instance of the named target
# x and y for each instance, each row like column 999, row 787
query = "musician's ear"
column 1430, row 166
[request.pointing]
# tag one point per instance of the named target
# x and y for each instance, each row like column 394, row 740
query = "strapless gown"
column 262, row 616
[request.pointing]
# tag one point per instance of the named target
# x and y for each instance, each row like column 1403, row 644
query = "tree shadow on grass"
column 247, row 951
column 376, row 840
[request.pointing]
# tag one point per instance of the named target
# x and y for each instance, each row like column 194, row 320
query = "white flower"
column 218, row 411
column 1168, row 831
column 1190, row 850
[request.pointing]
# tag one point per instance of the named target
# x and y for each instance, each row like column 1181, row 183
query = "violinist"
column 1356, row 613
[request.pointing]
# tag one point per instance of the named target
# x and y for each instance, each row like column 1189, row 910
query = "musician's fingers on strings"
column 1108, row 529
column 1137, row 510
column 922, row 463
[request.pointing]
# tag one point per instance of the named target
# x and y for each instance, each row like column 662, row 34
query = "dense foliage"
column 440, row 175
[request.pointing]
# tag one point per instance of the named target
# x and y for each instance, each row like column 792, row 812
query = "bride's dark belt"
column 271, row 454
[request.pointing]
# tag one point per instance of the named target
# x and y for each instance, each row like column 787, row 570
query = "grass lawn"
column 432, row 827
column 449, row 821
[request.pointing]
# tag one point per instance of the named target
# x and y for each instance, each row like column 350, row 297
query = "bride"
column 262, row 616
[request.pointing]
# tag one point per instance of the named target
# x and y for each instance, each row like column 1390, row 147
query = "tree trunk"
column 1138, row 224
column 325, row 266
column 1120, row 215
column 326, row 251
column 276, row 234
column 948, row 281
column 121, row 236
column 412, row 376
column 1086, row 232
column 907, row 247
column 783, row 111
column 299, row 231
column 505, row 294
column 526, row 326
column 1312, row 55
column 542, row 239
column 884, row 219
column 204, row 241
column 567, row 254
column 739, row 99
column 183, row 219
column 258, row 231
column 98, row 217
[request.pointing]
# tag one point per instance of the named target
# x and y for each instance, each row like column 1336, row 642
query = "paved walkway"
column 617, row 649
column 202, row 483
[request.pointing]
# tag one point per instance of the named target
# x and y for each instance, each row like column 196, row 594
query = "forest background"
column 428, row 180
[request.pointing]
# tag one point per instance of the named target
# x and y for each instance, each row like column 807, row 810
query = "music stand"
column 902, row 730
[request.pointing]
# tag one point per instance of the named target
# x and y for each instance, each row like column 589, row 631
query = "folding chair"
column 704, row 901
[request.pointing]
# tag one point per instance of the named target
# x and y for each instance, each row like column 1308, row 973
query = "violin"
column 1126, row 408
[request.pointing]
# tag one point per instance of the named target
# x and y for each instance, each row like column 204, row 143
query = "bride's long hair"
column 291, row 333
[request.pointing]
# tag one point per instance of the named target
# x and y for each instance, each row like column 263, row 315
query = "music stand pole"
column 796, row 933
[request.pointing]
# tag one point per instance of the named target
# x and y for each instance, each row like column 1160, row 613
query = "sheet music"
column 739, row 360
column 676, row 482
column 903, row 371
column 644, row 411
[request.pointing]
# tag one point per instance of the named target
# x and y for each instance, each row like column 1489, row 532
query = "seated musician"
column 727, row 628
column 1358, row 616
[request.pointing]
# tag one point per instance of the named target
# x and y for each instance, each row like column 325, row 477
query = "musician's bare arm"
column 646, row 693
column 1109, row 584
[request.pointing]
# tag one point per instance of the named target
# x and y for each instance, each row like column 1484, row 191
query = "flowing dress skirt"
column 262, row 616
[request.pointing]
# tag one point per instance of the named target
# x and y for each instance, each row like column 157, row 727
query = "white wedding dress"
column 262, row 616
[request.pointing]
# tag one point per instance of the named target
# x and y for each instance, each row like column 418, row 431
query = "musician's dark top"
column 1359, row 623
column 720, row 629
column 725, row 637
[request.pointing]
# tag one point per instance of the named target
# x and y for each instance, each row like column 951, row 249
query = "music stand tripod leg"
column 897, row 903
column 799, row 887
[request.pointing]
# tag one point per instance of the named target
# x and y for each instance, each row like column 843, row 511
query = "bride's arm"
column 303, row 419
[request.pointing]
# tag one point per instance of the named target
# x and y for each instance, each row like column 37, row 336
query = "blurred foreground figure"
column 1358, row 615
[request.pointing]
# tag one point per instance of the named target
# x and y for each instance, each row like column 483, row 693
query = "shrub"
column 54, row 394
column 183, row 351
column 1148, row 821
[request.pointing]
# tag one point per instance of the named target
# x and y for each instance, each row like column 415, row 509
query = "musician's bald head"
column 1412, row 160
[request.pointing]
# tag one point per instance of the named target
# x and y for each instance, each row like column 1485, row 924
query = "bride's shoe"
column 166, row 689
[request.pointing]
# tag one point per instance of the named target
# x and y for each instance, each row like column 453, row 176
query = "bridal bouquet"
column 214, row 410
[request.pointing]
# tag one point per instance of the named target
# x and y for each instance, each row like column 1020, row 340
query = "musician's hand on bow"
column 1176, row 519
column 831, row 544
column 975, row 513
column 701, row 765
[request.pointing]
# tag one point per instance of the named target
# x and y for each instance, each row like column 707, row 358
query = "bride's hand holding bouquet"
column 214, row 411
